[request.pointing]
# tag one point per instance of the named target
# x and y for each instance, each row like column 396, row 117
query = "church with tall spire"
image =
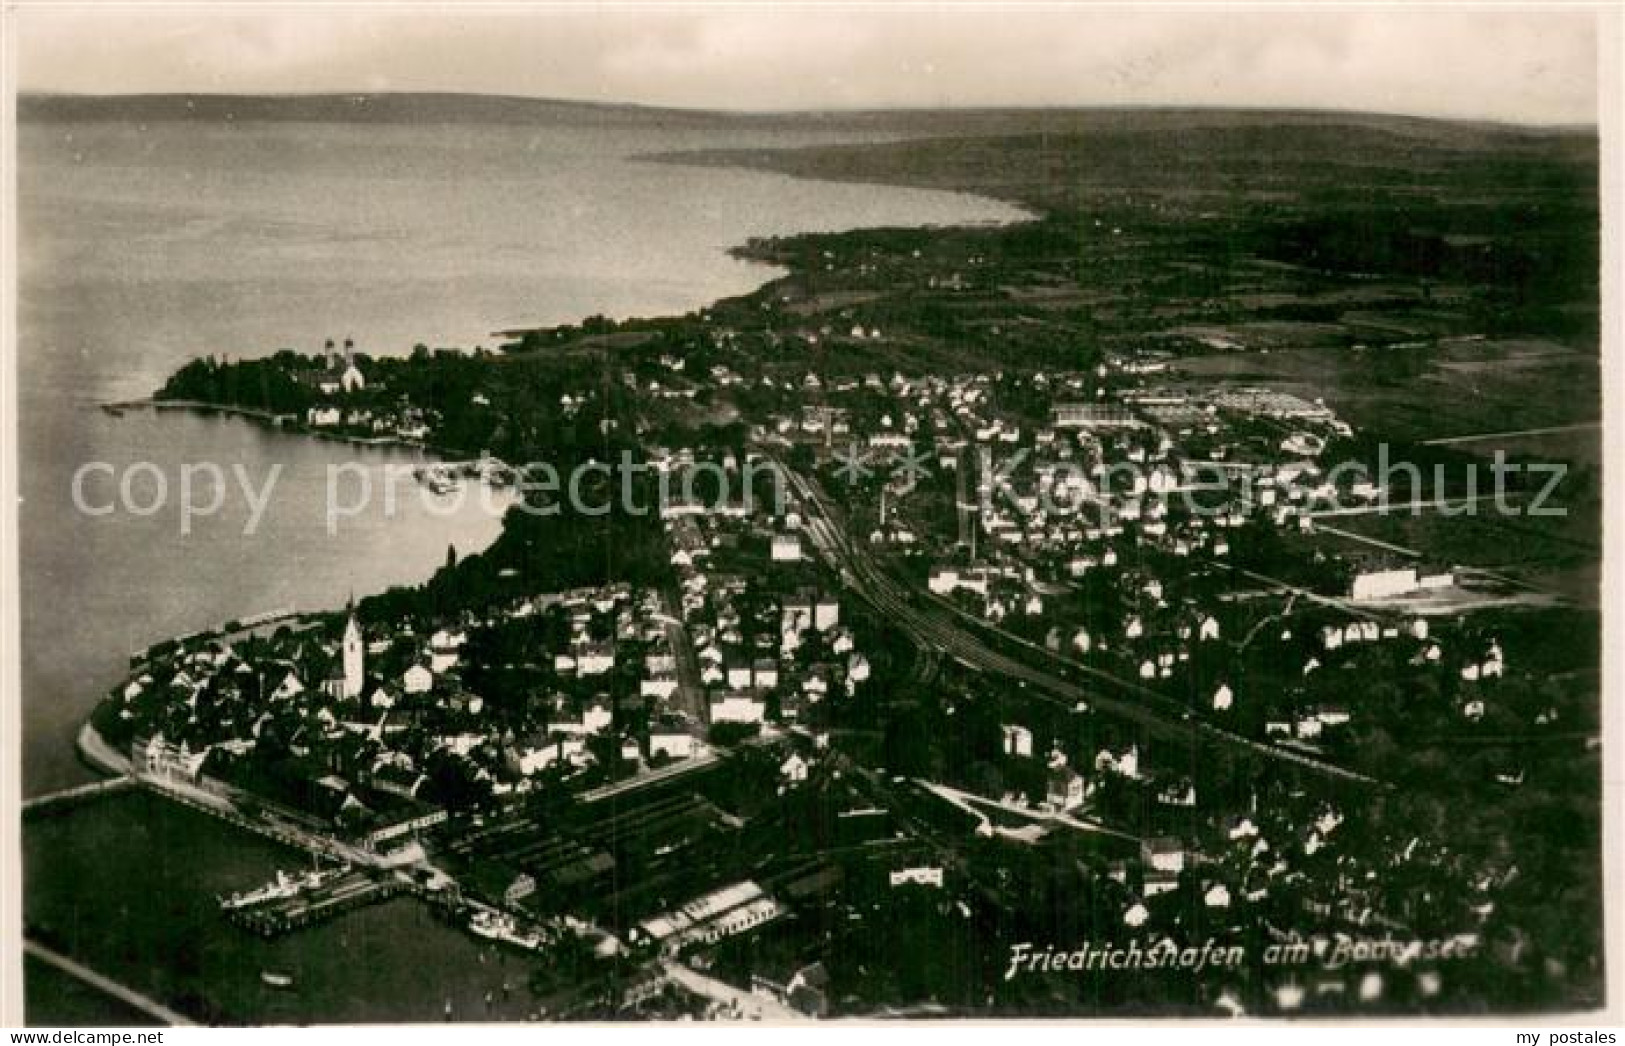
column 354, row 657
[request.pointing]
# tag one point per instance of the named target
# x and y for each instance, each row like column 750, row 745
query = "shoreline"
column 89, row 741
column 758, row 161
column 95, row 749
column 274, row 421
column 96, row 753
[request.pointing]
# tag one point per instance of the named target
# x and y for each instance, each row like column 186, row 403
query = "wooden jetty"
column 308, row 908
column 67, row 798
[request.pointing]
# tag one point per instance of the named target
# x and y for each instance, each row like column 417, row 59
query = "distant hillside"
column 1356, row 172
column 351, row 108
column 476, row 108
column 1286, row 155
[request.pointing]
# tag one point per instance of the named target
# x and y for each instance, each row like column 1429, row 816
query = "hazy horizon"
column 855, row 110
column 1498, row 64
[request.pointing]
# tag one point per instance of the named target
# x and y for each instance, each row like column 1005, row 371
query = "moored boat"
column 496, row 926
column 278, row 889
column 283, row 887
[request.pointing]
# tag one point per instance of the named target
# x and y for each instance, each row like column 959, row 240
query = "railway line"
column 1157, row 714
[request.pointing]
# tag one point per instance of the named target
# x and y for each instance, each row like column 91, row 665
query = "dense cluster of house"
column 768, row 637
column 1091, row 548
column 385, row 712
column 383, row 716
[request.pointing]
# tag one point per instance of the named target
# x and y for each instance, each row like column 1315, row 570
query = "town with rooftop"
column 970, row 616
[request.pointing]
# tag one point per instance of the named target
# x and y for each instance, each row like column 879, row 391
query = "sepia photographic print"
column 889, row 512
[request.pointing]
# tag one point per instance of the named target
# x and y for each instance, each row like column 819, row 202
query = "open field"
column 1579, row 445
column 1560, row 554
column 1468, row 387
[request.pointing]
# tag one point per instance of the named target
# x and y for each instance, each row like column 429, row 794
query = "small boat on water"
column 283, row 887
column 276, row 978
column 495, row 926
column 280, row 888
column 439, row 479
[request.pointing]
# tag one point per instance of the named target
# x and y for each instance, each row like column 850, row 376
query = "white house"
column 442, row 657
column 675, row 744
column 794, row 769
column 597, row 718
column 1065, row 789
column 1018, row 740
column 922, row 875
column 660, row 686
column 1383, row 584
column 596, row 659
column 1164, row 854
column 737, row 708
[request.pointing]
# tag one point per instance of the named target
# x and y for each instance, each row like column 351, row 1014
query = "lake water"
column 145, row 875
column 142, row 247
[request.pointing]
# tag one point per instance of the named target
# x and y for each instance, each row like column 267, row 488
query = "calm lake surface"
column 144, row 246
column 145, row 875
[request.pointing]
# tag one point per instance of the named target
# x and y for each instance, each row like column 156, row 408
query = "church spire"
column 354, row 653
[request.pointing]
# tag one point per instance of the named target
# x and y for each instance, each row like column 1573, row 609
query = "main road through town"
column 917, row 615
